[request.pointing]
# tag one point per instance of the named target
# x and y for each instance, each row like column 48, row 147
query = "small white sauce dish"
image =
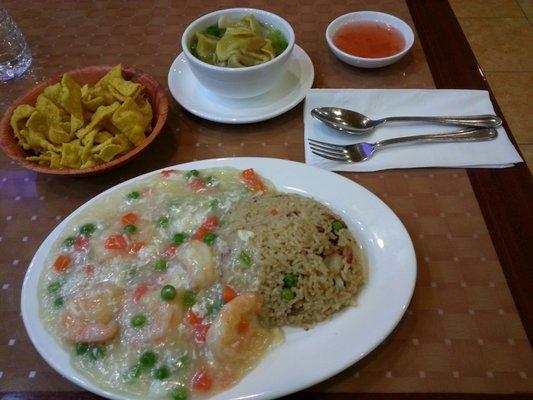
column 239, row 82
column 369, row 16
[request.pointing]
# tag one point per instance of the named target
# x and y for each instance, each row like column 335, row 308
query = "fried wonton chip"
column 91, row 162
column 101, row 114
column 102, row 136
column 125, row 88
column 122, row 141
column 48, row 107
column 109, row 152
column 20, row 116
column 42, row 159
column 80, row 127
column 71, row 154
column 92, row 98
column 53, row 92
column 57, row 134
column 71, row 97
column 132, row 120
column 115, row 72
column 38, row 126
column 87, row 142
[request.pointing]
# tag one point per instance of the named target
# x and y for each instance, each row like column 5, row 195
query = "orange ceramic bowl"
column 91, row 75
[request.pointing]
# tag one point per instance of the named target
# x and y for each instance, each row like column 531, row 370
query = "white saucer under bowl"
column 199, row 101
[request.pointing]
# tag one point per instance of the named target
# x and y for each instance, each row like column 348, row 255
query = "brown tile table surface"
column 462, row 332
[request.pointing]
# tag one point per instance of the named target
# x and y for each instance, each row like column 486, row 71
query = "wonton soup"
column 237, row 43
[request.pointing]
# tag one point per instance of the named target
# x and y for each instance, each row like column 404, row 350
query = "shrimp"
column 197, row 259
column 161, row 317
column 237, row 336
column 90, row 317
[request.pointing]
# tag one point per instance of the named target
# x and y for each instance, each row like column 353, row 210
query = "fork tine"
column 328, row 149
column 329, row 152
column 325, row 144
column 334, row 158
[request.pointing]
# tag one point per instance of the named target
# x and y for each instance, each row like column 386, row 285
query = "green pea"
column 96, row 352
column 209, row 238
column 133, row 195
column 138, row 321
column 191, row 173
column 287, row 294
column 336, row 226
column 179, row 393
column 290, row 280
column 189, row 299
column 134, row 372
column 161, row 373
column 168, row 292
column 210, row 180
column 148, row 359
column 214, row 204
column 161, row 265
column 59, row 302
column 183, row 362
column 87, row 229
column 81, row 348
column 130, row 229
column 162, row 222
column 69, row 242
column 179, row 238
column 245, row 259
column 53, row 287
column 213, row 309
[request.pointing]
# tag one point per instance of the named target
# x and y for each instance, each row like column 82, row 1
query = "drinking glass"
column 15, row 55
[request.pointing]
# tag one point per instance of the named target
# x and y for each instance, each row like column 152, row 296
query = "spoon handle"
column 465, row 135
column 488, row 121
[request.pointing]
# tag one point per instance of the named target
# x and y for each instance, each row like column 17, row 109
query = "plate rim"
column 243, row 120
column 271, row 393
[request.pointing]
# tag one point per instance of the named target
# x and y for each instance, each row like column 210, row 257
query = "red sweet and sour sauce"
column 369, row 39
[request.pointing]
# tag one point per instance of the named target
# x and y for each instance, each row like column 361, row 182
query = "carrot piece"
column 81, row 243
column 129, row 218
column 139, row 292
column 196, row 184
column 136, row 247
column 200, row 332
column 116, row 242
column 168, row 172
column 202, row 381
column 209, row 225
column 62, row 263
column 192, row 318
column 199, row 328
column 170, row 250
column 252, row 181
column 228, row 294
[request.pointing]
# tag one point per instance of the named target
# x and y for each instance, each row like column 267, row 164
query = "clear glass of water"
column 15, row 55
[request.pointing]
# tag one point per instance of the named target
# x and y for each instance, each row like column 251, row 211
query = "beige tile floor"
column 500, row 33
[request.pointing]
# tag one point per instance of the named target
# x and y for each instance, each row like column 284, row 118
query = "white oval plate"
column 199, row 101
column 306, row 357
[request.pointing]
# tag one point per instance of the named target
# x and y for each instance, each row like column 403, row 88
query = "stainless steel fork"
column 363, row 151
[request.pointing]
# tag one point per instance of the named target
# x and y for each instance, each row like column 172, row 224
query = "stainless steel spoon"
column 352, row 122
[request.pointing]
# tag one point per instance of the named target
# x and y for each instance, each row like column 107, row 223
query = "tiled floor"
column 501, row 34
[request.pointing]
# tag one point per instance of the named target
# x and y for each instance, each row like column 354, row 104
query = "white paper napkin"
column 379, row 103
